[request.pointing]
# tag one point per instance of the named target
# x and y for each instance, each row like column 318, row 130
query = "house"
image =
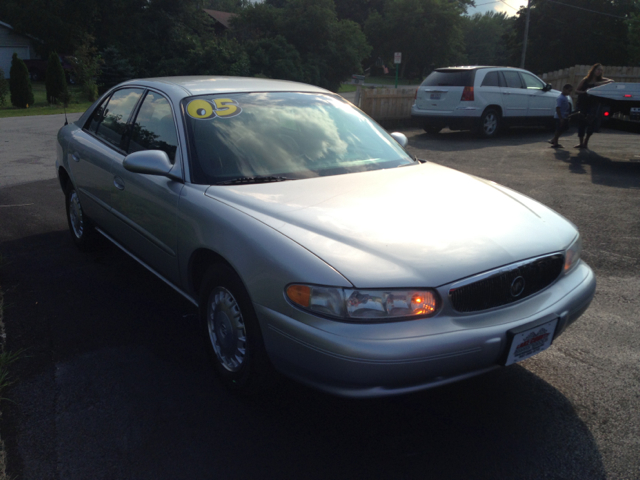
column 222, row 20
column 10, row 42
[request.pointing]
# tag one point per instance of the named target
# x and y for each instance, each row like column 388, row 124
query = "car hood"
column 419, row 225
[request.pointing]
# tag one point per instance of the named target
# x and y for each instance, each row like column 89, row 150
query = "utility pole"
column 526, row 35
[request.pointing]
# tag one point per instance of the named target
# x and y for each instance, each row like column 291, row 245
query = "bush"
column 55, row 82
column 19, row 84
column 4, row 88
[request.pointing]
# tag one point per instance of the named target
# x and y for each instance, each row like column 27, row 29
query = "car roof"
column 201, row 85
column 470, row 67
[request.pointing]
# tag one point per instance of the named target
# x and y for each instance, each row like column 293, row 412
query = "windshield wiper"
column 241, row 180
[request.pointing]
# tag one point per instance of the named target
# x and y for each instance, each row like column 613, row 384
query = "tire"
column 432, row 130
column 232, row 333
column 80, row 227
column 489, row 123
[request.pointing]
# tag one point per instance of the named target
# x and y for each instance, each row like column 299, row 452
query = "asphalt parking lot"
column 114, row 381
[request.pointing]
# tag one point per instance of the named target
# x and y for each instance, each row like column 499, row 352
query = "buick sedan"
column 312, row 243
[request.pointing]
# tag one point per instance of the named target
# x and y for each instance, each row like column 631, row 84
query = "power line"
column 586, row 9
column 514, row 8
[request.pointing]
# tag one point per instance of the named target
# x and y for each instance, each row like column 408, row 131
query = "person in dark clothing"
column 587, row 107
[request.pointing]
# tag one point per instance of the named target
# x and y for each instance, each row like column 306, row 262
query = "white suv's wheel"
column 489, row 123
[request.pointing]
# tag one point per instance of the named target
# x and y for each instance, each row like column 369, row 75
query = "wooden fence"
column 573, row 75
column 387, row 103
column 384, row 104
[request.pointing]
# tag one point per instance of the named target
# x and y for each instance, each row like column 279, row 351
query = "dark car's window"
column 110, row 122
column 450, row 78
column 532, row 82
column 154, row 128
column 492, row 79
column 292, row 135
column 513, row 79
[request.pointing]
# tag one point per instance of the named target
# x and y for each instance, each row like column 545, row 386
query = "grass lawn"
column 347, row 87
column 41, row 107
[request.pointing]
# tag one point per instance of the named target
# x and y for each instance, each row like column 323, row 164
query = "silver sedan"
column 311, row 242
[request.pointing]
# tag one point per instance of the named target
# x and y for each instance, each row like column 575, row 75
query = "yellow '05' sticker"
column 219, row 107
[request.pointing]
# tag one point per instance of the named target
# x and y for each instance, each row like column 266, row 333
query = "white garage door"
column 5, row 57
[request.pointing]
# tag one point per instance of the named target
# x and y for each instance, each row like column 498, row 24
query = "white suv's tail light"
column 467, row 95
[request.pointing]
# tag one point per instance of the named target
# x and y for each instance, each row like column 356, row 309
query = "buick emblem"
column 517, row 287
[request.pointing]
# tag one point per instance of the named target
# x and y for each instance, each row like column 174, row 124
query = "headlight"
column 351, row 304
column 572, row 255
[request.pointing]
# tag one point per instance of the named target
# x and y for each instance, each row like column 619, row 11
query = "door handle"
column 75, row 157
column 119, row 183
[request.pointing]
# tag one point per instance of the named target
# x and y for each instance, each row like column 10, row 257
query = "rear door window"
column 492, row 79
column 513, row 79
column 450, row 78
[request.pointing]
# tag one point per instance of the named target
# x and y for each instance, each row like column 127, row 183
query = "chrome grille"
column 507, row 285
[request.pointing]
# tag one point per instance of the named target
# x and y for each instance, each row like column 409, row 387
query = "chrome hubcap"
column 490, row 124
column 75, row 215
column 226, row 328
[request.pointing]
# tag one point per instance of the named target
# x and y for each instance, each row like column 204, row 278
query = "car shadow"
column 116, row 380
column 449, row 140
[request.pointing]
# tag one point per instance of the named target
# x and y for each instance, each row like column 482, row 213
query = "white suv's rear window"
column 450, row 78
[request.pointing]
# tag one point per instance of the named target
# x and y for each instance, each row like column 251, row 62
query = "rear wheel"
column 489, row 123
column 232, row 333
column 80, row 226
column 431, row 129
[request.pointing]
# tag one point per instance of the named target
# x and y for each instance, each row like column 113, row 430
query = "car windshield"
column 279, row 136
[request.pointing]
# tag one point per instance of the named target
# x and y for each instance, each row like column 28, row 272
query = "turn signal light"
column 300, row 294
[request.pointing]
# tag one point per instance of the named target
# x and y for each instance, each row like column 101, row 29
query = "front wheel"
column 232, row 333
column 80, row 226
column 489, row 123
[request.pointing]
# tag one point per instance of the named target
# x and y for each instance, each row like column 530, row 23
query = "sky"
column 510, row 7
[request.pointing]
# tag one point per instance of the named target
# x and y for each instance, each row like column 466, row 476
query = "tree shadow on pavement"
column 117, row 385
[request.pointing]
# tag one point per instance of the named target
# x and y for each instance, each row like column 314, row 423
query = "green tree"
column 55, row 81
column 573, row 32
column 633, row 24
column 358, row 10
column 4, row 88
column 233, row 6
column 483, row 38
column 115, row 69
column 328, row 49
column 60, row 25
column 428, row 33
column 86, row 67
column 19, row 84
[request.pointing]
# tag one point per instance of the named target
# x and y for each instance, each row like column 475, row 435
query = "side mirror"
column 401, row 138
column 547, row 87
column 150, row 162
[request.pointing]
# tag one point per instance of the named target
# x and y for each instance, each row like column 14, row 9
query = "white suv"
column 483, row 99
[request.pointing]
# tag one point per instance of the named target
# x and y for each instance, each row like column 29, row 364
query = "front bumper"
column 369, row 360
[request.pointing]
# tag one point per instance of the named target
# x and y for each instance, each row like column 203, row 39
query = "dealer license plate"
column 528, row 340
column 435, row 96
